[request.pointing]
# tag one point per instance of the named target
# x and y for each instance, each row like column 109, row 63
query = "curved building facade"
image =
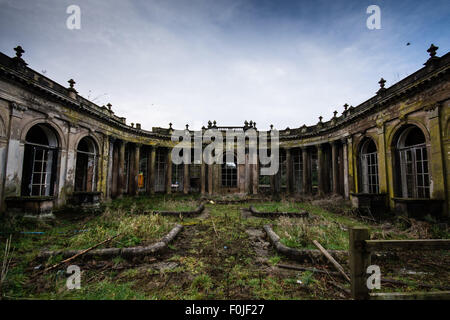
column 391, row 152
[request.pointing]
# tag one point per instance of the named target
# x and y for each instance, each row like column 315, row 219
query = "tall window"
column 177, row 176
column 264, row 180
column 86, row 165
column 297, row 163
column 229, row 173
column 160, row 172
column 413, row 157
column 369, row 167
column 195, row 174
column 142, row 174
column 40, row 161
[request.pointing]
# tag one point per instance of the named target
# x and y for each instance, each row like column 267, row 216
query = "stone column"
column 122, row 173
column 320, row 170
column 151, row 171
column 137, row 155
column 335, row 166
column 110, row 167
column 345, row 156
column 169, row 172
column 186, row 181
column 436, row 160
column 203, row 177
column 248, row 177
column 351, row 165
column 210, row 179
column 288, row 171
column 306, row 187
column 255, row 176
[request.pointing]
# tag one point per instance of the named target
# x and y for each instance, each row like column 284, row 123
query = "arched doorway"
column 40, row 161
column 86, row 165
column 368, row 165
column 413, row 180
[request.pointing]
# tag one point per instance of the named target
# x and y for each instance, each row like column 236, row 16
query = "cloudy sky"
column 190, row 61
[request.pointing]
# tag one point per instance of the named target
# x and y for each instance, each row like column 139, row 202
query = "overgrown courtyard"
column 223, row 253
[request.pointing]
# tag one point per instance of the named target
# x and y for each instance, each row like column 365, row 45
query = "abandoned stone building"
column 391, row 152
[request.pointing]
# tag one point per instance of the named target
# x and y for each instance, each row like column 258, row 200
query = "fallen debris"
column 303, row 214
column 331, row 259
column 299, row 254
column 79, row 254
column 125, row 252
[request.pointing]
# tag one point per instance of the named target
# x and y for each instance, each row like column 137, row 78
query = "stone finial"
column 138, row 126
column 170, row 125
column 71, row 89
column 382, row 88
column 345, row 107
column 19, row 51
column 335, row 113
column 251, row 123
column 271, row 127
column 132, row 125
column 214, row 123
column 187, row 127
column 254, row 125
column 109, row 105
column 432, row 50
column 320, row 119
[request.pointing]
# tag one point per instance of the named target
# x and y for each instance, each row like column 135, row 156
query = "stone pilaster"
column 137, row 155
column 203, row 178
column 122, row 173
column 186, row 182
column 151, row 171
column 111, row 141
column 335, row 166
column 169, row 172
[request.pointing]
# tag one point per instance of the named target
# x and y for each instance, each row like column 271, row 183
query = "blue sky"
column 273, row 62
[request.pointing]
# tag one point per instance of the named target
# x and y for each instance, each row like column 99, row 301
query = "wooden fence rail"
column 360, row 249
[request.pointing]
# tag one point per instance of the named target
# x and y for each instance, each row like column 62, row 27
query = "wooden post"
column 359, row 261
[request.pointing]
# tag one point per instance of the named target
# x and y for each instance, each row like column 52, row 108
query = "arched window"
column 86, row 165
column 40, row 161
column 368, row 161
column 229, row 173
column 412, row 155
